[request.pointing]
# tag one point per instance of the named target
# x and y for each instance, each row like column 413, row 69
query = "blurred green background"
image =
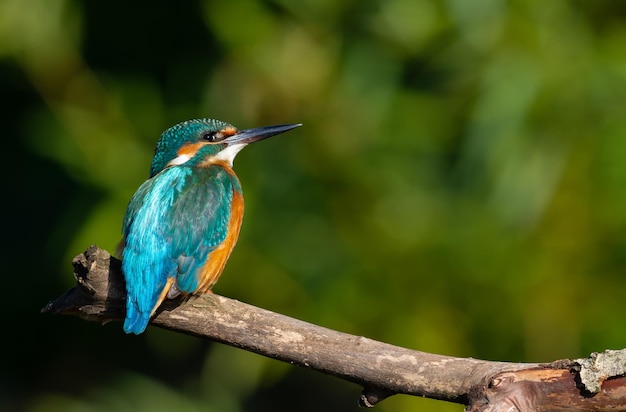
column 458, row 186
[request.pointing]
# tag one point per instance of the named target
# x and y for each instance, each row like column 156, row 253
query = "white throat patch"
column 228, row 154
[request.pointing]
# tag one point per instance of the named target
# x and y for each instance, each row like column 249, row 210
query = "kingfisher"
column 182, row 223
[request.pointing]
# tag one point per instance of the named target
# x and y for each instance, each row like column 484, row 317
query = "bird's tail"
column 136, row 322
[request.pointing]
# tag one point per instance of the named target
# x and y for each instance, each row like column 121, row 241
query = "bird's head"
column 201, row 142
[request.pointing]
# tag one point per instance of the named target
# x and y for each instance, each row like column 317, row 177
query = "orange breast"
column 212, row 269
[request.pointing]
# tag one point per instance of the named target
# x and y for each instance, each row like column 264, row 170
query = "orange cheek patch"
column 189, row 149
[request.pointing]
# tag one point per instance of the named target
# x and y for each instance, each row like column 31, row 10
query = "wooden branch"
column 596, row 383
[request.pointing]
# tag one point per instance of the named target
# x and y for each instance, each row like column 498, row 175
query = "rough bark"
column 596, row 383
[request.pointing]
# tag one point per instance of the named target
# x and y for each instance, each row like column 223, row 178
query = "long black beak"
column 258, row 133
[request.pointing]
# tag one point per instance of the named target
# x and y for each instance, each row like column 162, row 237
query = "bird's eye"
column 212, row 136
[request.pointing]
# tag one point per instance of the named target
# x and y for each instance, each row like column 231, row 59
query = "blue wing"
column 172, row 224
column 199, row 222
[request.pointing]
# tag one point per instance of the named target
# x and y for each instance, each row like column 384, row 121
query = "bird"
column 182, row 223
